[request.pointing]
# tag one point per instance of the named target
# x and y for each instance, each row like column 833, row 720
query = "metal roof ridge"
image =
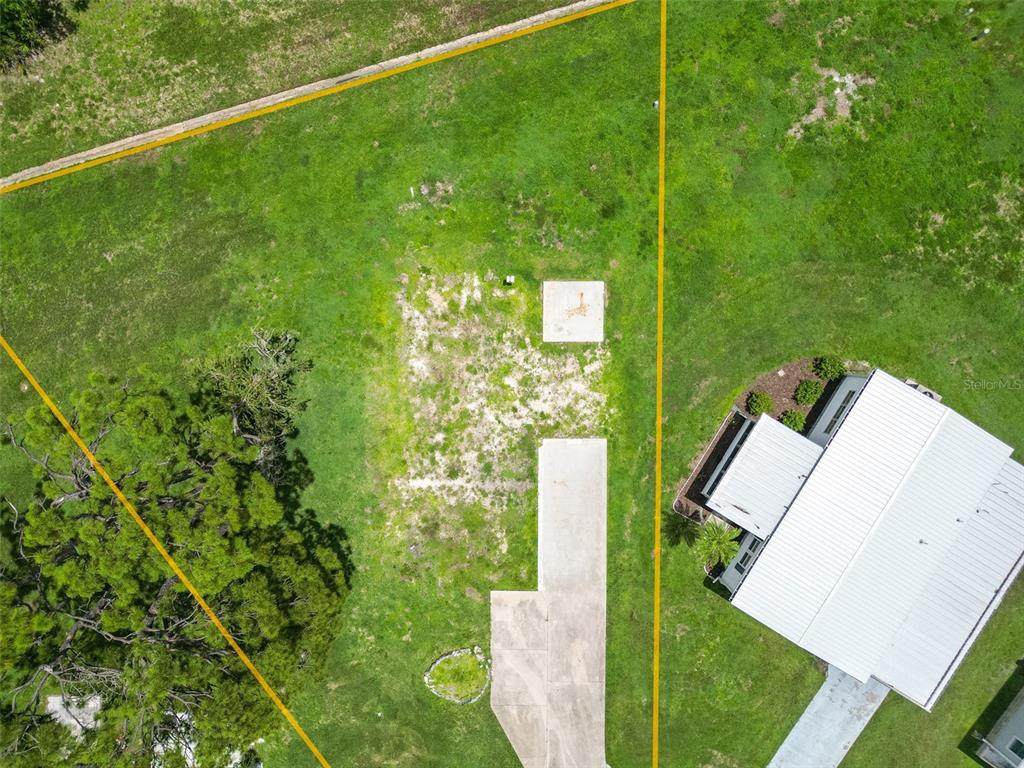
column 874, row 525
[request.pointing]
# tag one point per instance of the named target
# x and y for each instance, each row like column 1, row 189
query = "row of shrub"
column 808, row 391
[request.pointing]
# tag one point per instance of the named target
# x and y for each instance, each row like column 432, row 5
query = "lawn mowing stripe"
column 659, row 365
column 303, row 98
column 163, row 552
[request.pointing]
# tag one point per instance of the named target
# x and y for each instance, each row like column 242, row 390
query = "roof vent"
column 924, row 390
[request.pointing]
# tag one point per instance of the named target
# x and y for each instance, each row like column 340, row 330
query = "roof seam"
column 874, row 525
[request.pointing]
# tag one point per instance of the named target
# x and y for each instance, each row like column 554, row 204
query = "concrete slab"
column 830, row 725
column 548, row 647
column 572, row 514
column 576, row 638
column 519, row 677
column 519, row 621
column 574, row 311
column 527, row 730
column 576, row 726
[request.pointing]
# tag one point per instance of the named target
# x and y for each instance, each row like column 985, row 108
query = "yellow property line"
column 163, row 552
column 658, row 383
column 365, row 80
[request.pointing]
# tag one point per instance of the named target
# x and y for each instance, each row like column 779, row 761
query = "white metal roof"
column 894, row 518
column 764, row 477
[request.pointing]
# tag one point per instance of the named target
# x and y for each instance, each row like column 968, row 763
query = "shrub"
column 759, row 402
column 795, row 420
column 716, row 543
column 808, row 391
column 829, row 367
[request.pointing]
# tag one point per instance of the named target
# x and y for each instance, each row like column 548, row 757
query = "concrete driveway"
column 831, row 723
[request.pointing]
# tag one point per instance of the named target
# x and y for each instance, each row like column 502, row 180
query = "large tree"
column 87, row 606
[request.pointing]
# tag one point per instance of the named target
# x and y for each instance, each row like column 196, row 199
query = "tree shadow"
column 991, row 714
column 294, row 477
column 676, row 528
column 317, row 534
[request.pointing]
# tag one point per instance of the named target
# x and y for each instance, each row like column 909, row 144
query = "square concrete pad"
column 574, row 311
column 519, row 621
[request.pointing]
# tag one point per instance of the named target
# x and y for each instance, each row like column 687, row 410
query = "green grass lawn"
column 890, row 236
column 133, row 65
column 893, row 237
column 537, row 160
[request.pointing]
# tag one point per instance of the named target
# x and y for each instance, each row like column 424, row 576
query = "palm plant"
column 716, row 543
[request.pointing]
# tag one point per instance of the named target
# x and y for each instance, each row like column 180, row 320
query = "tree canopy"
column 89, row 608
column 26, row 25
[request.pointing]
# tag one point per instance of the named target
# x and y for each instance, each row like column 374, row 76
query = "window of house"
column 839, row 412
column 746, row 557
column 1017, row 747
column 743, row 562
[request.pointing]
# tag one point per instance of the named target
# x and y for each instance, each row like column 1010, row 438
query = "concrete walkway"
column 831, row 723
column 258, row 107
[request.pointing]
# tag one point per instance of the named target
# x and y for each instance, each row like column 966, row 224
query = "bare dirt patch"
column 982, row 247
column 839, row 100
column 482, row 391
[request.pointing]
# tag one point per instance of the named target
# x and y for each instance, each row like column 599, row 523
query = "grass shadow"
column 991, row 714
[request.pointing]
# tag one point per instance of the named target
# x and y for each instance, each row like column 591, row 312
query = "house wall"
column 995, row 749
column 841, row 399
column 734, row 573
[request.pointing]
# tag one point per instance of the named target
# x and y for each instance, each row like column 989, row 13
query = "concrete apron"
column 831, row 723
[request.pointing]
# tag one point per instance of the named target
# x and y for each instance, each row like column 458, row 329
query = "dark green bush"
column 759, row 402
column 26, row 26
column 829, row 367
column 808, row 391
column 795, row 420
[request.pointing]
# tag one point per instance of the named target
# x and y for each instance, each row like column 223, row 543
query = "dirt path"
column 258, row 107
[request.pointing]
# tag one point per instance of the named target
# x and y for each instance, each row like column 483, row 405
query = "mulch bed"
column 781, row 384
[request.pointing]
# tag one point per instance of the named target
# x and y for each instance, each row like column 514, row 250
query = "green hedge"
column 808, row 391
column 759, row 402
column 795, row 420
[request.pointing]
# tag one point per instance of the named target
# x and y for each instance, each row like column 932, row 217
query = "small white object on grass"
column 510, row 279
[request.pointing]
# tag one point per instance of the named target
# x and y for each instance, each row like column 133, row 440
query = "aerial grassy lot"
column 133, row 65
column 893, row 235
column 377, row 225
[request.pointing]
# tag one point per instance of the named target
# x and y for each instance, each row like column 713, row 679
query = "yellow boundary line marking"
column 147, row 531
column 340, row 87
column 163, row 552
column 658, row 383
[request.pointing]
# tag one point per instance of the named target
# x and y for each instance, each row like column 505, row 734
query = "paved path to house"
column 831, row 723
column 258, row 107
